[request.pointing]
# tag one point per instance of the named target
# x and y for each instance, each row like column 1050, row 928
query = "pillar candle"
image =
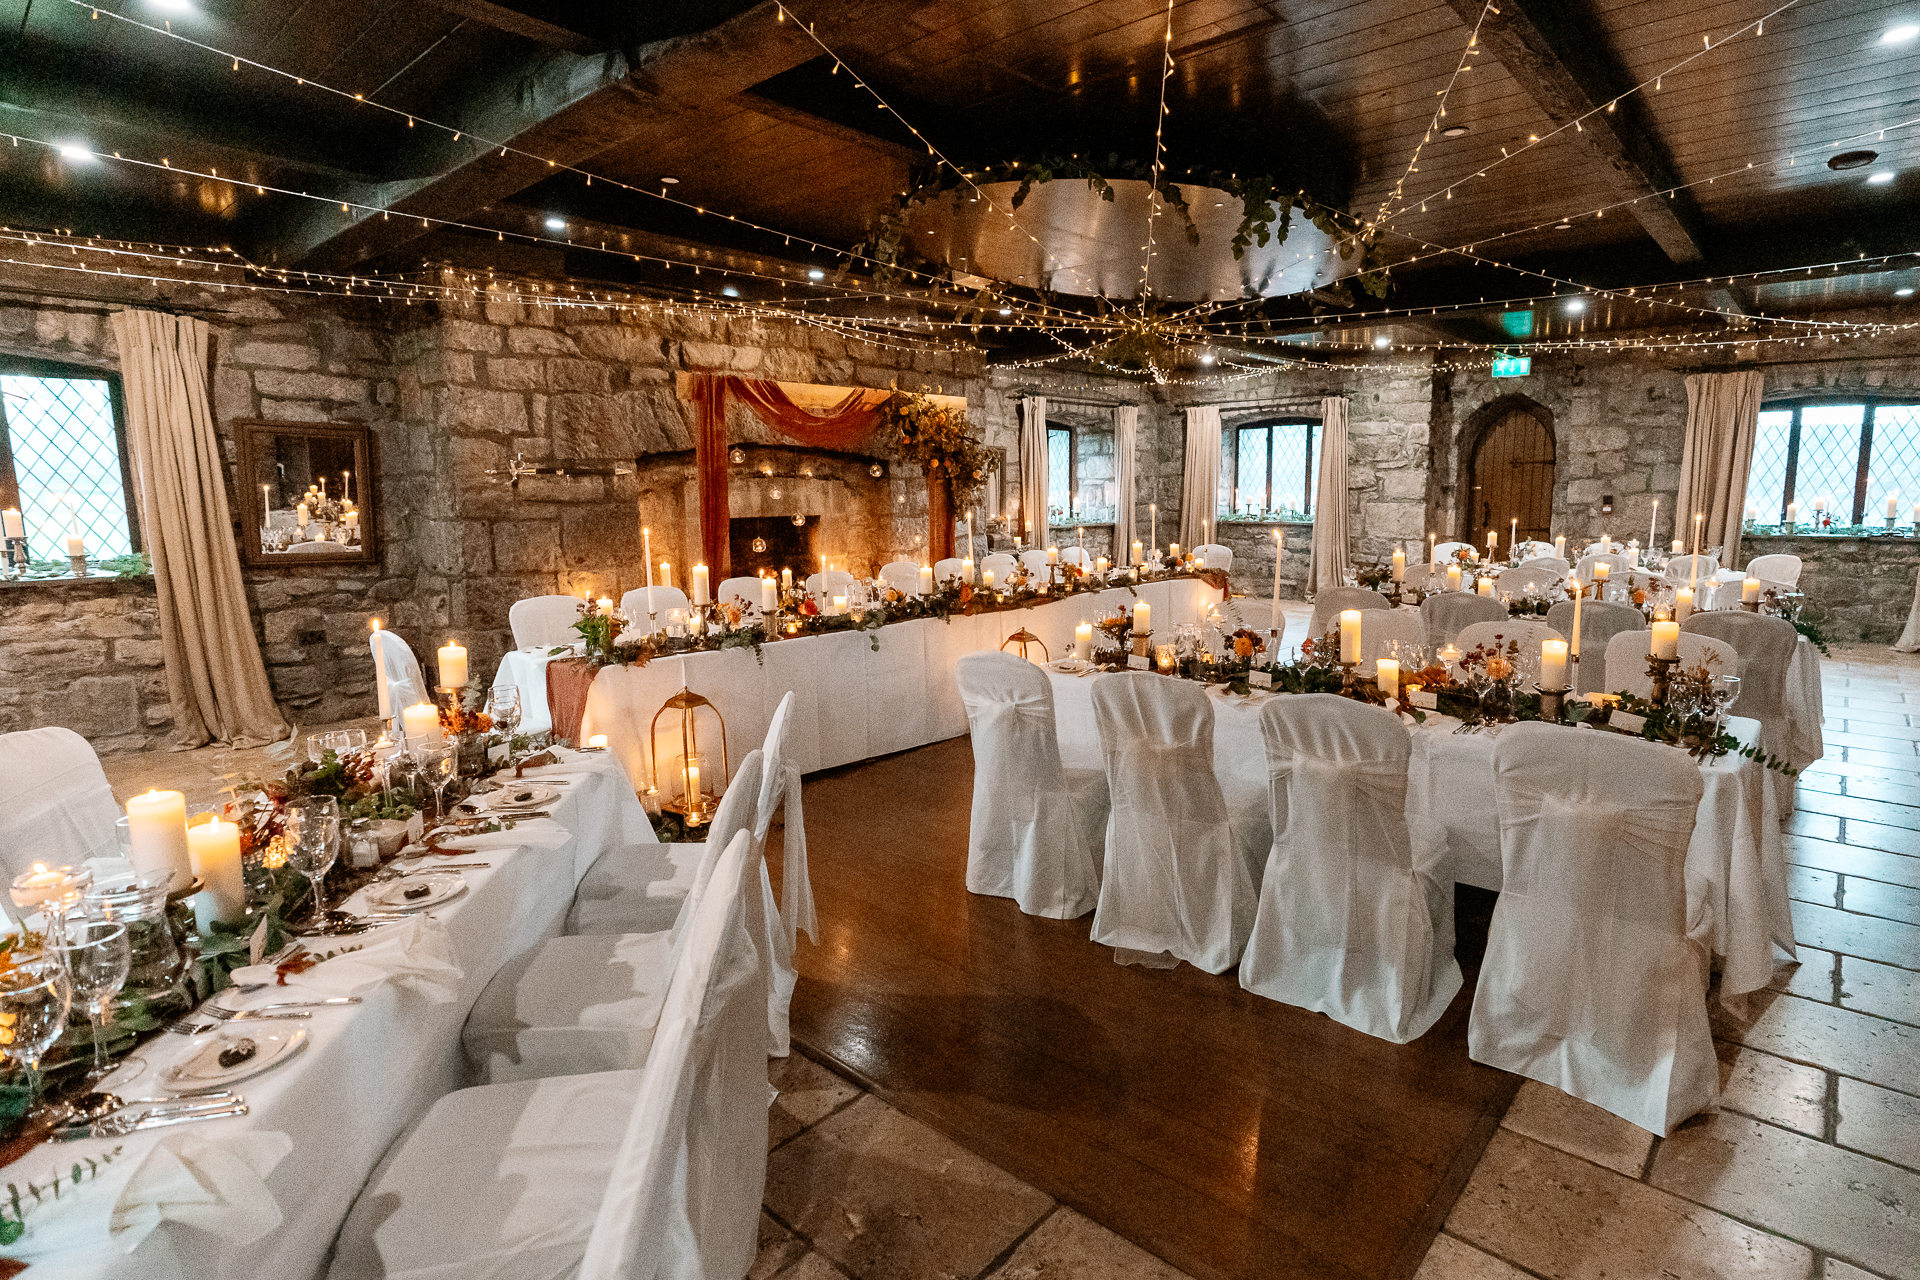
column 1553, row 665
column 1174, row 551
column 1450, row 657
column 157, row 823
column 214, row 848
column 1493, row 540
column 925, row 580
column 11, row 524
column 1386, row 674
column 1602, row 572
column 1053, row 555
column 300, row 515
column 1560, row 546
column 1349, row 635
column 76, row 545
column 1578, row 592
column 1893, row 506
column 1142, row 618
column 700, row 595
column 1750, row 591
column 353, row 519
column 1083, row 641
column 380, row 678
column 1486, row 585
column 1399, row 570
column 1140, row 556
column 966, row 570
column 1678, row 546
column 666, row 573
column 986, row 580
column 770, row 591
column 422, row 723
column 1666, row 640
column 1101, row 564
column 453, row 666
column 1819, row 505
column 1793, row 514
column 786, row 580
column 1453, row 577
column 1753, row 513
column 1683, row 604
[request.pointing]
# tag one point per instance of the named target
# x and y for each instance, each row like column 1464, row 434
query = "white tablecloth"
column 1737, row 849
column 853, row 701
column 366, row 1073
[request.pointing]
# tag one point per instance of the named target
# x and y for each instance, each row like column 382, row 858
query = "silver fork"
column 193, row 1024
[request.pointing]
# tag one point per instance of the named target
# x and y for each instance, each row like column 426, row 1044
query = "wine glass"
column 313, row 834
column 438, row 764
column 316, row 747
column 34, row 996
column 1726, row 689
column 98, row 956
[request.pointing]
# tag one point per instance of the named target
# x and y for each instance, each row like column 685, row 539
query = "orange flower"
column 1243, row 646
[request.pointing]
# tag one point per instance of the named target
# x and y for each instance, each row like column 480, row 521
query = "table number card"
column 1137, row 661
column 1260, row 679
column 1626, row 722
column 1422, row 699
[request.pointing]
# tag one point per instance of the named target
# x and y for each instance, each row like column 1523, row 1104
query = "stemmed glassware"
column 97, row 956
column 313, row 835
column 1726, row 688
column 438, row 764
column 34, row 997
column 503, row 708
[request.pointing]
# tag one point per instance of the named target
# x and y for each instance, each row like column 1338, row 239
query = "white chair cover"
column 1035, row 560
column 1380, row 629
column 1447, row 612
column 544, row 620
column 1174, row 881
column 901, row 575
column 1332, row 602
column 623, row 891
column 1618, row 565
column 406, row 687
column 1600, row 622
column 1525, row 632
column 1532, row 549
column 1035, row 830
column 657, row 1172
column 1000, row 562
column 794, row 912
column 1356, row 907
column 1212, row 555
column 634, row 604
column 833, row 582
column 1781, row 568
column 948, row 569
column 1427, row 577
column 1595, row 979
column 1627, row 660
column 741, row 591
column 1765, row 645
column 1680, row 570
column 1444, row 551
column 55, row 804
column 1514, row 582
column 1076, row 555
column 1557, row 564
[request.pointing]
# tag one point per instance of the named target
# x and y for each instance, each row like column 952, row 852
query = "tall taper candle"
column 1279, row 553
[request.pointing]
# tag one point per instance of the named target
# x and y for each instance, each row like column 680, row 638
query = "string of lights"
column 1159, row 157
column 1439, row 113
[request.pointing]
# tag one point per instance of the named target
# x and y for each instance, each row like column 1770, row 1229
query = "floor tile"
column 1831, row 764
column 1879, row 759
column 1889, row 901
column 1849, row 933
column 1837, row 1201
column 884, row 1196
column 1860, row 741
column 808, row 1091
column 1069, row 1246
column 1852, row 806
column 1879, row 727
column 1869, row 787
column 1881, row 990
column 1809, row 884
column 1834, row 1269
column 1812, row 978
column 1879, row 1122
column 1875, row 864
column 1829, row 783
column 1452, row 1259
column 1820, row 826
column 1864, row 710
column 1769, row 1088
column 814, row 1267
column 1545, row 1114
column 1838, row 1039
column 779, row 1247
column 1561, row 1217
column 1878, row 835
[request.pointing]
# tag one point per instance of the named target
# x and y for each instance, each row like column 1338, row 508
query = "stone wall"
column 84, row 655
column 1858, row 590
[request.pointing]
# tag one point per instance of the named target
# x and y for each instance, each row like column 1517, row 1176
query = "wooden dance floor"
column 1230, row 1135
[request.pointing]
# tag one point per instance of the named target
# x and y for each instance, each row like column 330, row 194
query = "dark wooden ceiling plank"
column 524, row 25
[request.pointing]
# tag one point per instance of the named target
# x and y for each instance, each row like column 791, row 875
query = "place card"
column 1137, row 661
column 1626, row 722
column 1260, row 679
column 1423, row 699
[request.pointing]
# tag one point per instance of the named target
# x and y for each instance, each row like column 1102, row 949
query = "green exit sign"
column 1506, row 366
column 1517, row 323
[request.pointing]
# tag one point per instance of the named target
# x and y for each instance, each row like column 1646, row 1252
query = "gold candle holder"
column 1661, row 670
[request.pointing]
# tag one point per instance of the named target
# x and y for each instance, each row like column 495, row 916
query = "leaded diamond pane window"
column 1293, row 470
column 64, row 445
column 1829, row 459
column 1271, row 466
column 1767, row 478
column 1250, row 489
column 1059, row 473
column 1894, row 471
column 1849, row 457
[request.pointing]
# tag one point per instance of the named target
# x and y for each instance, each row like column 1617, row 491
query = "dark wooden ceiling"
column 753, row 119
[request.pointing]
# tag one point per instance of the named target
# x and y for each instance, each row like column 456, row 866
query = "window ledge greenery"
column 136, row 565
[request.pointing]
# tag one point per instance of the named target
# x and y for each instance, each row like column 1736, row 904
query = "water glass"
column 34, row 996
column 97, row 956
column 313, row 838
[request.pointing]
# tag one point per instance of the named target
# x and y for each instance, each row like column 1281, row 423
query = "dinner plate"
column 1069, row 666
column 272, row 1046
column 439, row 885
column 520, row 796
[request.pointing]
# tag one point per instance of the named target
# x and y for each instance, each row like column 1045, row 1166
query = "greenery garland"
column 941, row 439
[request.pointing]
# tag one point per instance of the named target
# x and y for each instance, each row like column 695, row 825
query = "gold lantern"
column 1023, row 638
column 684, row 775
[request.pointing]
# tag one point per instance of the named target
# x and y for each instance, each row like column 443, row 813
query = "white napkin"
column 531, row 833
column 416, row 954
column 216, row 1184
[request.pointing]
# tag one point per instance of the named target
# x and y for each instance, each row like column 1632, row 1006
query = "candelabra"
column 1661, row 670
column 17, row 553
column 1348, row 673
column 1553, row 704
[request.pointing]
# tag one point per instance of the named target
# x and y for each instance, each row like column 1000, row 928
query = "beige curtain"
column 215, row 678
column 1126, row 435
column 1722, row 412
column 1328, row 558
column 1200, row 486
column 1033, row 470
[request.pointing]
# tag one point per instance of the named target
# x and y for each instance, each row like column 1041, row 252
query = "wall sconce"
column 876, row 471
column 759, row 546
column 737, row 455
column 799, row 519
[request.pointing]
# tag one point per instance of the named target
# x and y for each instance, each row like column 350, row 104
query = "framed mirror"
column 305, row 493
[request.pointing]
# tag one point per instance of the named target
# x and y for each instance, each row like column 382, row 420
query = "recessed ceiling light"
column 1006, row 311
column 73, row 151
column 1563, row 226
column 556, row 224
column 1454, row 131
column 1206, row 357
column 729, row 292
column 1852, row 160
column 669, row 181
column 1880, row 179
column 1905, row 291
column 1899, row 35
column 1577, row 306
column 175, row 5
column 1383, row 341
column 816, row 274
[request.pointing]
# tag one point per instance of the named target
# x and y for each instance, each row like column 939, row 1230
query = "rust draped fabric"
column 847, row 423
column 568, row 680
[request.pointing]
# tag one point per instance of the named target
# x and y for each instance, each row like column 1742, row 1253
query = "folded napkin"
column 533, row 833
column 416, row 954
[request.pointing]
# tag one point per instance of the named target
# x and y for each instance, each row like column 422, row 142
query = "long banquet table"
column 366, row 1073
column 1736, row 862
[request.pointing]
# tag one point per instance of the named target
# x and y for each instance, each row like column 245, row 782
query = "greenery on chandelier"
column 1266, row 209
column 941, row 439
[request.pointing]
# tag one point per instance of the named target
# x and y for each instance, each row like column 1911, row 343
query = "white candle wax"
column 1750, row 591
column 1083, row 641
column 1386, row 674
column 1678, row 546
column 1101, row 564
column 986, row 580
column 700, row 594
column 1053, row 555
column 666, row 573
column 769, row 595
column 1450, row 657
column 597, row 742
column 839, row 605
column 1578, row 592
column 1349, row 635
column 646, row 558
column 1142, row 618
column 1453, row 577
column 1174, row 551
column 453, row 666
column 157, row 824
column 1486, row 585
column 1819, row 505
column 1683, row 604
column 1653, row 523
column 1399, row 568
column 1493, row 540
column 966, row 570
column 1553, row 665
column 1279, row 554
column 1560, row 546
column 1893, row 506
column 1793, row 513
column 422, row 723
column 1140, row 556
column 380, row 677
column 353, row 519
column 11, row 522
column 1513, row 533
column 214, row 848
column 76, row 545
column 34, row 887
column 926, row 580
column 1666, row 640
column 1602, row 572
column 786, row 579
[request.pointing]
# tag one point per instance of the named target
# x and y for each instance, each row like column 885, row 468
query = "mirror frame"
column 247, row 433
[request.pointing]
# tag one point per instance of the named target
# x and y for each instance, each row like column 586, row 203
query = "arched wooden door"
column 1511, row 477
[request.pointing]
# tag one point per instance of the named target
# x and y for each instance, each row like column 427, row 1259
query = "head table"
column 366, row 1073
column 1736, row 864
